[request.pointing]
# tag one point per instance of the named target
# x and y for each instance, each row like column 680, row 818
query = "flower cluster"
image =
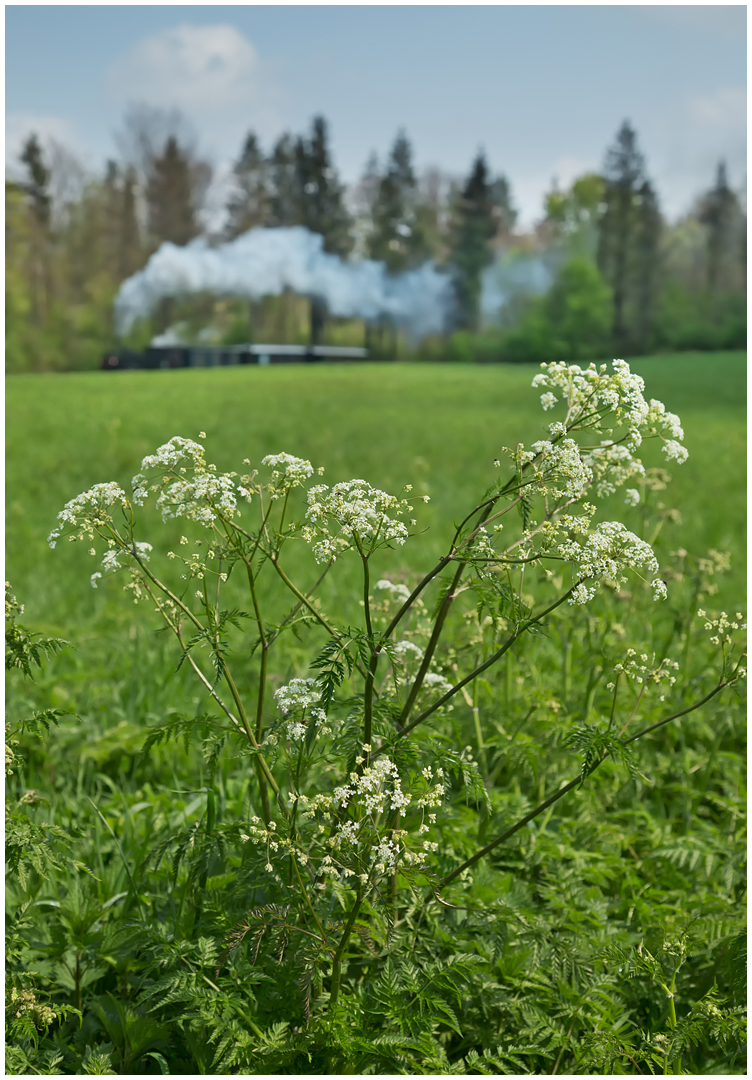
column 603, row 401
column 358, row 841
column 378, row 787
column 405, row 649
column 360, row 514
column 554, row 464
column 433, row 681
column 722, row 625
column 594, row 393
column 287, row 472
column 608, row 551
column 396, row 590
column 88, row 513
column 611, row 465
column 643, row 669
column 296, row 702
column 201, row 496
column 25, row 1003
column 111, row 559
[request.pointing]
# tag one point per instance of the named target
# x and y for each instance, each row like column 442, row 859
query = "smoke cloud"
column 515, row 277
column 265, row 262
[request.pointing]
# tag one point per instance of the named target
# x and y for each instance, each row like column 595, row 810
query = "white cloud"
column 725, row 109
column 197, row 68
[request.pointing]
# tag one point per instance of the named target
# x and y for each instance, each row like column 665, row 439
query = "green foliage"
column 572, row 322
column 554, row 952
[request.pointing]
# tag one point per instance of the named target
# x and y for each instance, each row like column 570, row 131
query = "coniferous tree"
column 719, row 212
column 624, row 174
column 505, row 211
column 284, row 200
column 364, row 200
column 397, row 237
column 39, row 201
column 473, row 228
column 173, row 194
column 38, row 181
column 647, row 265
column 249, row 204
column 320, row 193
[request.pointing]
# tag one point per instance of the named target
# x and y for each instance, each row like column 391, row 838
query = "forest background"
column 601, row 272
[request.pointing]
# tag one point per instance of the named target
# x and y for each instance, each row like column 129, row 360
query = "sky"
column 541, row 89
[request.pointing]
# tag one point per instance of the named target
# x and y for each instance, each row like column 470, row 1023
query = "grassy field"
column 438, row 427
column 655, row 856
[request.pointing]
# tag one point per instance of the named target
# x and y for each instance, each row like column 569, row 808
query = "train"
column 194, row 356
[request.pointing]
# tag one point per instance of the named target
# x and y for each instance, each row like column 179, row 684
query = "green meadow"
column 539, row 936
column 437, row 427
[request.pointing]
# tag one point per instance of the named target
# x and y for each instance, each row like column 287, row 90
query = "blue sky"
column 542, row 89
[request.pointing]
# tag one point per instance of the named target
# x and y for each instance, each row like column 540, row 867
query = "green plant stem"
column 263, row 770
column 263, row 787
column 301, row 596
column 438, row 626
column 253, row 741
column 573, row 784
column 375, row 653
column 482, row 667
column 672, row 1021
column 337, row 959
column 433, row 641
column 306, row 603
column 307, row 898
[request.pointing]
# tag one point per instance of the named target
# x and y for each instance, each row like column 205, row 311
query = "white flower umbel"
column 408, row 649
column 556, row 466
column 188, row 487
column 287, row 472
column 611, row 465
column 88, row 513
column 609, row 551
column 114, row 560
column 600, row 400
column 297, row 702
column 437, row 683
column 395, row 589
column 352, row 514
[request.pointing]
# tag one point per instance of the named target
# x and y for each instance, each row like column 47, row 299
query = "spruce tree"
column 397, row 237
column 719, row 212
column 473, row 228
column 37, row 183
column 504, row 209
column 320, row 192
column 248, row 206
column 39, row 201
column 171, row 196
column 623, row 175
column 648, row 229
column 284, row 209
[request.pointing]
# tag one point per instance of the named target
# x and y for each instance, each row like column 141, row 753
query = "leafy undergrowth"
column 557, row 953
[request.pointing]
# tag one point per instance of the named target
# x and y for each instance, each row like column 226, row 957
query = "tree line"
column 620, row 277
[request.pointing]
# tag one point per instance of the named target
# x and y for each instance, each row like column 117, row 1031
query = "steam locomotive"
column 193, row 356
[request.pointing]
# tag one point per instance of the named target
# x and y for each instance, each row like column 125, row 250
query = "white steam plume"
column 265, row 262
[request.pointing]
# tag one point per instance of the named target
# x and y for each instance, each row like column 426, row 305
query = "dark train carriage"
column 173, row 356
